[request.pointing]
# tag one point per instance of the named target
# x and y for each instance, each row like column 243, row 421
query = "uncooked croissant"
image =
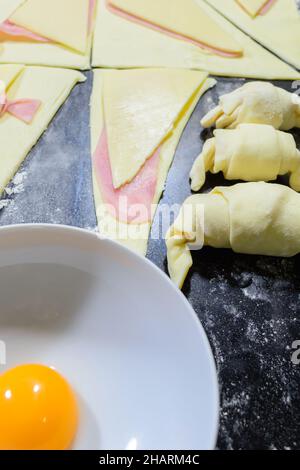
column 257, row 103
column 252, row 152
column 251, row 218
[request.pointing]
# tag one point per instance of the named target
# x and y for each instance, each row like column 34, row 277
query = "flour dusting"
column 16, row 186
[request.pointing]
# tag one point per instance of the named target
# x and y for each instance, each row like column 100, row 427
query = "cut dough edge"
column 8, row 7
column 9, row 73
column 253, row 7
column 134, row 237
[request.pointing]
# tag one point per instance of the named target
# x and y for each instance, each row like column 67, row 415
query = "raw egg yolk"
column 38, row 409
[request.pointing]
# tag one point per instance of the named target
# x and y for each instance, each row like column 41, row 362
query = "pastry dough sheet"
column 49, row 85
column 133, row 236
column 119, row 43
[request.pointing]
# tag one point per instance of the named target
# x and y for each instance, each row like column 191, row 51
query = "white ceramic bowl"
column 118, row 330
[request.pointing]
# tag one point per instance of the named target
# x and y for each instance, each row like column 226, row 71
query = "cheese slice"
column 37, row 53
column 16, row 137
column 133, row 236
column 183, row 17
column 64, row 22
column 253, row 7
column 119, row 43
column 141, row 108
column 278, row 29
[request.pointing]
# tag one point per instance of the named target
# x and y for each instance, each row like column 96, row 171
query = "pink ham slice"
column 9, row 29
column 264, row 9
column 148, row 24
column 132, row 203
column 267, row 7
column 24, row 110
column 92, row 8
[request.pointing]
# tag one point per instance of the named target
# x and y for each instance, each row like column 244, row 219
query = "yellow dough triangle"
column 65, row 22
column 278, row 29
column 184, row 17
column 141, row 108
column 253, row 7
column 51, row 86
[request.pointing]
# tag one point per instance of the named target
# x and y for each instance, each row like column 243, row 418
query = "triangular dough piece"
column 278, row 29
column 253, row 7
column 65, row 24
column 135, row 236
column 141, row 107
column 183, row 17
column 16, row 137
column 119, row 43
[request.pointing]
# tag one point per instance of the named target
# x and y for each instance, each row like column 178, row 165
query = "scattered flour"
column 94, row 229
column 16, row 186
column 250, row 308
column 4, row 203
column 257, row 290
column 209, row 100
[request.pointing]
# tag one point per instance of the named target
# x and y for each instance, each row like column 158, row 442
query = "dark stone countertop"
column 248, row 305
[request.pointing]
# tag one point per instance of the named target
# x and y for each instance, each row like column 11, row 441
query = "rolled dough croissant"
column 257, row 103
column 250, row 218
column 252, row 152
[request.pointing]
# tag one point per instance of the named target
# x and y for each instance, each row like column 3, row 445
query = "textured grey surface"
column 248, row 305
